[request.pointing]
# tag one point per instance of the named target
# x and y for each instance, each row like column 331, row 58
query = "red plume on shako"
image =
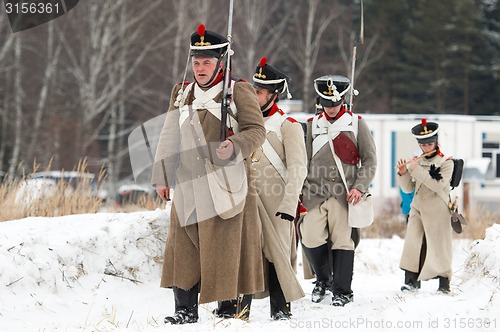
column 263, row 61
column 201, row 30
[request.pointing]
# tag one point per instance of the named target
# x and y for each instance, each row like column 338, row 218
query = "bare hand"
column 163, row 192
column 354, row 196
column 401, row 166
column 225, row 150
column 413, row 163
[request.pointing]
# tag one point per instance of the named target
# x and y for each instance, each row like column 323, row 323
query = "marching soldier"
column 280, row 170
column 427, row 251
column 206, row 252
column 325, row 226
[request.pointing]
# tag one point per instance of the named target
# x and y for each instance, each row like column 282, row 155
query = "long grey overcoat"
column 223, row 255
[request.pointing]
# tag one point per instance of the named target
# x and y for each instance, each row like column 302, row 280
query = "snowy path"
column 63, row 274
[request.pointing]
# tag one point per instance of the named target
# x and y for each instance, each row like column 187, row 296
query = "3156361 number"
column 32, row 8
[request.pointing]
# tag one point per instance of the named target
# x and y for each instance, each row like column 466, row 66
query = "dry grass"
column 388, row 223
column 21, row 198
column 143, row 203
column 478, row 222
column 62, row 199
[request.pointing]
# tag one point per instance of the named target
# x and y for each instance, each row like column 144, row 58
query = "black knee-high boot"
column 186, row 306
column 280, row 309
column 343, row 267
column 318, row 258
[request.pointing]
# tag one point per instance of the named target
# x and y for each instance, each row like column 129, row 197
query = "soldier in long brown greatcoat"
column 280, row 170
column 427, row 251
column 325, row 226
column 219, row 257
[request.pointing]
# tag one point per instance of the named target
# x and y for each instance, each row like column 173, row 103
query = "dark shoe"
column 234, row 308
column 444, row 285
column 411, row 281
column 281, row 315
column 226, row 309
column 222, row 314
column 318, row 293
column 182, row 316
column 340, row 300
column 280, row 309
column 409, row 288
column 186, row 306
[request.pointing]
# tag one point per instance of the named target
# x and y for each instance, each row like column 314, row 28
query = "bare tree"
column 106, row 67
column 52, row 60
column 305, row 50
column 98, row 55
column 18, row 100
column 181, row 9
column 348, row 35
column 258, row 31
column 5, row 66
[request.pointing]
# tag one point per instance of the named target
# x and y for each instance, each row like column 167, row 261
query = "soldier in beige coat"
column 208, row 252
column 325, row 226
column 280, row 169
column 427, row 251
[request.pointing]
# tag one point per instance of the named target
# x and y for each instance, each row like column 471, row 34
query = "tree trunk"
column 18, row 100
column 50, row 69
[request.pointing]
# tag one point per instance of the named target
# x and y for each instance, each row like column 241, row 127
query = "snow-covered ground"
column 100, row 272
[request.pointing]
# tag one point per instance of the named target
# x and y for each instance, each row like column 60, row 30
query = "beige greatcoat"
column 223, row 255
column 276, row 195
column 429, row 220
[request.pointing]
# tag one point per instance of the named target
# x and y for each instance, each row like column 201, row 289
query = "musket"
column 226, row 95
column 353, row 66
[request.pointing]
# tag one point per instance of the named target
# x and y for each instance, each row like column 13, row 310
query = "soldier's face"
column 203, row 68
column 428, row 147
column 263, row 95
column 332, row 111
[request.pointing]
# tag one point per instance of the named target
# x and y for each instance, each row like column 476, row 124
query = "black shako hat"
column 331, row 89
column 270, row 78
column 209, row 43
column 425, row 132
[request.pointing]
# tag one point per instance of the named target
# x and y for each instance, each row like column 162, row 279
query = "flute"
column 421, row 156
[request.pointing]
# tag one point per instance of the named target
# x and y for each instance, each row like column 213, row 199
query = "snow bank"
column 484, row 255
column 101, row 272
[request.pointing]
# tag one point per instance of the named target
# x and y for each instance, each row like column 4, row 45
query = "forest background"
column 76, row 87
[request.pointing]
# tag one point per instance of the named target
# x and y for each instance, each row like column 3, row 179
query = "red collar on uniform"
column 218, row 78
column 339, row 114
column 274, row 109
